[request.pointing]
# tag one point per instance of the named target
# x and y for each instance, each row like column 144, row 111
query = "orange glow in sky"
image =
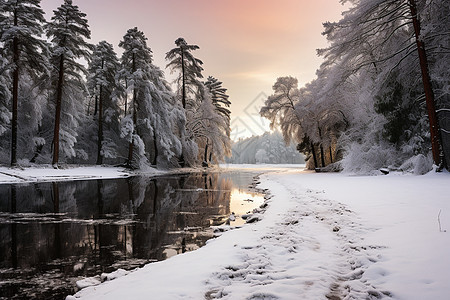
column 246, row 44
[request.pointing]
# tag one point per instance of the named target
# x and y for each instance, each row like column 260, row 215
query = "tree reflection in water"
column 53, row 234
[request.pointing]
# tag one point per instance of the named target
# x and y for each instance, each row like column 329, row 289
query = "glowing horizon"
column 245, row 44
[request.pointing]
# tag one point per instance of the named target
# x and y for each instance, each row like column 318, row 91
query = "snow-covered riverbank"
column 323, row 235
column 47, row 173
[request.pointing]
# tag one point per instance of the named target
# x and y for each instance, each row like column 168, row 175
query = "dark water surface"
column 53, row 234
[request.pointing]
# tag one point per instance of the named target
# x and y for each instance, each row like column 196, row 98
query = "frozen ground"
column 323, row 236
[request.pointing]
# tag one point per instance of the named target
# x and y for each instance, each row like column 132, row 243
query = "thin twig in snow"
column 439, row 222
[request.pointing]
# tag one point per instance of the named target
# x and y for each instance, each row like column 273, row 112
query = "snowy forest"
column 381, row 98
column 268, row 148
column 64, row 100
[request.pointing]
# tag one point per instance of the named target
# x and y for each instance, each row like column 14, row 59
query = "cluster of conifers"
column 119, row 110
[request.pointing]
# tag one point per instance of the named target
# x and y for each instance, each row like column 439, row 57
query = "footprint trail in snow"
column 313, row 248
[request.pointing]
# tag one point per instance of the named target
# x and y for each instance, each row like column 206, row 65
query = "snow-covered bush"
column 419, row 164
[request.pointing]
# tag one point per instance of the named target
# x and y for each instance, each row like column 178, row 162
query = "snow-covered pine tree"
column 166, row 119
column 135, row 63
column 21, row 30
column 190, row 90
column 103, row 68
column 148, row 127
column 5, row 114
column 206, row 126
column 221, row 103
column 68, row 31
column 33, row 103
column 219, row 97
column 190, row 69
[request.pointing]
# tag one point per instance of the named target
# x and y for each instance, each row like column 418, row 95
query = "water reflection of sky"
column 243, row 202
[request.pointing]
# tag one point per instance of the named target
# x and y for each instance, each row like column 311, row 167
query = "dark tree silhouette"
column 21, row 24
column 67, row 31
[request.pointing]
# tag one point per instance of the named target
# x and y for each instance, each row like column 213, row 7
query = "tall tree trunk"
column 322, row 156
column 130, row 154
column 155, row 145
column 155, row 196
column 331, row 155
column 15, row 101
column 313, row 150
column 96, row 105
column 100, row 127
column 130, row 145
column 183, row 99
column 206, row 152
column 15, row 98
column 59, row 90
column 100, row 121
column 126, row 97
column 429, row 95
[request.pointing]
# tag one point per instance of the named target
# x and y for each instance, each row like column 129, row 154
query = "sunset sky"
column 246, row 44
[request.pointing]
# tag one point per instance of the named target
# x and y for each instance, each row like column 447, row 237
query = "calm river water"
column 53, row 234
